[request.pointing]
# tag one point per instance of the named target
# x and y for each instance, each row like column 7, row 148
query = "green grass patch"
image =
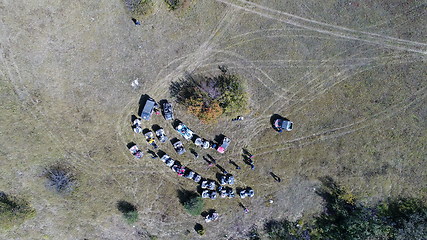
column 129, row 211
column 14, row 211
column 194, row 206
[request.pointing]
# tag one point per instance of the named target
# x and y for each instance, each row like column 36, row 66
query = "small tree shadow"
column 198, row 227
column 183, row 88
column 331, row 194
column 125, row 207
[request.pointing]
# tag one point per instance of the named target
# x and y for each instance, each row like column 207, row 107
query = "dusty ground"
column 350, row 74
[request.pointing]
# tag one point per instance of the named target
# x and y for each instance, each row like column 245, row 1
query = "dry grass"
column 358, row 105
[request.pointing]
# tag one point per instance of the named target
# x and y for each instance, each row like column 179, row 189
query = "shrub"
column 129, row 211
column 194, row 205
column 139, row 8
column 173, row 4
column 210, row 97
column 199, row 229
column 131, row 217
column 344, row 218
column 14, row 211
column 283, row 229
column 60, row 179
column 407, row 216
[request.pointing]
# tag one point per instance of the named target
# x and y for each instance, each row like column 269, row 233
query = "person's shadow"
column 276, row 178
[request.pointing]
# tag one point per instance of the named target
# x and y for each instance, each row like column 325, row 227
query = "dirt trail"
column 337, row 31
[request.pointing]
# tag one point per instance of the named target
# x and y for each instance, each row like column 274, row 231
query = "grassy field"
column 351, row 75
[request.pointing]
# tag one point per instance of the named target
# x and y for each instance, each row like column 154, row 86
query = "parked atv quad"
column 208, row 184
column 197, row 178
column 281, row 124
column 184, row 131
column 226, row 179
column 136, row 152
column 209, row 194
column 203, row 143
column 178, row 146
column 248, row 192
column 149, row 136
column 167, row 111
column 211, row 217
column 160, row 133
column 136, row 125
column 167, row 160
column 223, row 145
column 226, row 192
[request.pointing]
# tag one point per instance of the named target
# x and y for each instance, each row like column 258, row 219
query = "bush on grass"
column 139, row 8
column 14, row 211
column 60, row 179
column 173, row 4
column 129, row 211
column 210, row 97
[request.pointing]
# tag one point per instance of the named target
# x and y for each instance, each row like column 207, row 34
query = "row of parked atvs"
column 208, row 187
column 182, row 129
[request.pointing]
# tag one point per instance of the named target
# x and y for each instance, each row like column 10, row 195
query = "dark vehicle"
column 281, row 124
column 147, row 111
column 167, row 111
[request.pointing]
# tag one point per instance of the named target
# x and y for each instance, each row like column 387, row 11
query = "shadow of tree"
column 125, row 207
column 185, row 195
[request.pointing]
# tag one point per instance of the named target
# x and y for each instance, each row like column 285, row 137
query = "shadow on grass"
column 185, row 195
column 125, row 207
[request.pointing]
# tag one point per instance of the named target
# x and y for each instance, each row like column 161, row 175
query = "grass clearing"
column 65, row 85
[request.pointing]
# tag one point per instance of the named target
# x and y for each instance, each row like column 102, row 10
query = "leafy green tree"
column 210, row 97
column 344, row 218
column 408, row 217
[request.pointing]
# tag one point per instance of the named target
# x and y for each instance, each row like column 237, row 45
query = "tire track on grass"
column 189, row 62
column 20, row 89
column 334, row 30
column 347, row 129
column 416, row 98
